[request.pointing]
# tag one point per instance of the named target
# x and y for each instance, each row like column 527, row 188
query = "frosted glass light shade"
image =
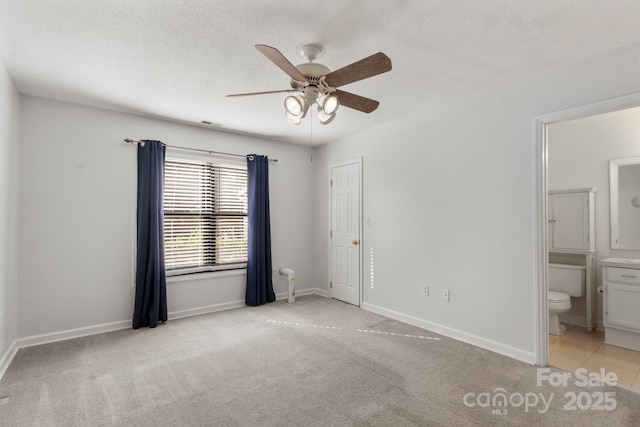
column 330, row 104
column 324, row 117
column 293, row 105
column 296, row 120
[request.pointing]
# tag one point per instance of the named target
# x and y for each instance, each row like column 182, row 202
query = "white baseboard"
column 206, row 309
column 475, row 340
column 579, row 321
column 116, row 326
column 7, row 357
column 72, row 333
column 313, row 291
column 283, row 295
column 124, row 324
column 302, row 292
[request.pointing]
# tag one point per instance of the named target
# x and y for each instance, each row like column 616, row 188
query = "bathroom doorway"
column 576, row 146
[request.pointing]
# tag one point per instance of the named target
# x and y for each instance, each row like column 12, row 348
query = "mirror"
column 624, row 180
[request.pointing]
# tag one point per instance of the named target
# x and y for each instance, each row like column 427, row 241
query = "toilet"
column 565, row 281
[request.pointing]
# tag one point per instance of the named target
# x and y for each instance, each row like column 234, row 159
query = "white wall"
column 9, row 135
column 450, row 194
column 579, row 154
column 77, row 196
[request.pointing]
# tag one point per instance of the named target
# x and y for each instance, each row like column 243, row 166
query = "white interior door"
column 345, row 232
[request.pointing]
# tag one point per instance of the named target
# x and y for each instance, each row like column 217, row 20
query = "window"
column 205, row 217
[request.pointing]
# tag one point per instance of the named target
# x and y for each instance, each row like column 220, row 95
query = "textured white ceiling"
column 177, row 60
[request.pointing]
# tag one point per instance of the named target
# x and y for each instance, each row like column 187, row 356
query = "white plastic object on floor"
column 291, row 278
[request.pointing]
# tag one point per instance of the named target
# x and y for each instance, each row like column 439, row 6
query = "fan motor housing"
column 313, row 72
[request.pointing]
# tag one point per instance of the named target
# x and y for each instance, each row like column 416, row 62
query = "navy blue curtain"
column 259, row 285
column 151, row 282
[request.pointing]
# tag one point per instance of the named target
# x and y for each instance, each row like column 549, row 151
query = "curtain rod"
column 131, row 141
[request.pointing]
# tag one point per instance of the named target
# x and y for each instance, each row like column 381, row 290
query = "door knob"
column 355, row 243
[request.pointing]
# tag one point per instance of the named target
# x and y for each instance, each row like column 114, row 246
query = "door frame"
column 358, row 161
column 540, row 135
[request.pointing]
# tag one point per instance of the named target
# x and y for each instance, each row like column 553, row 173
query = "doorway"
column 541, row 136
column 578, row 154
column 346, row 231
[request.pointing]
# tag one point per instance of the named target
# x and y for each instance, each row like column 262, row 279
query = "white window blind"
column 205, row 216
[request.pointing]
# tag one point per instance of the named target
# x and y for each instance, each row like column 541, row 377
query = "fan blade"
column 261, row 93
column 356, row 102
column 283, row 63
column 368, row 67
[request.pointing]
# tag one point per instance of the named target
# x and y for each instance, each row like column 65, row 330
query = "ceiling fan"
column 316, row 84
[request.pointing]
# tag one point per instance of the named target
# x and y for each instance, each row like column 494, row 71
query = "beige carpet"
column 313, row 363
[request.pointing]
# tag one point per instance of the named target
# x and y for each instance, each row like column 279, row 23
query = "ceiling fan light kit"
column 324, row 117
column 329, row 103
column 316, row 84
column 296, row 120
column 293, row 105
column 296, row 107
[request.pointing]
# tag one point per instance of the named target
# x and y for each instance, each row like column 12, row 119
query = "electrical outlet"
column 425, row 290
column 445, row 295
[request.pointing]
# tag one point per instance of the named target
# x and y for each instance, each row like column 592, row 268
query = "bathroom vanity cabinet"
column 571, row 231
column 622, row 302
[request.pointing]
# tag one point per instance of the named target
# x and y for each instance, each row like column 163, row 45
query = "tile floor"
column 578, row 349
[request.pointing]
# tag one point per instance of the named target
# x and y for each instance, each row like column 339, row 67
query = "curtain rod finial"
column 131, row 141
